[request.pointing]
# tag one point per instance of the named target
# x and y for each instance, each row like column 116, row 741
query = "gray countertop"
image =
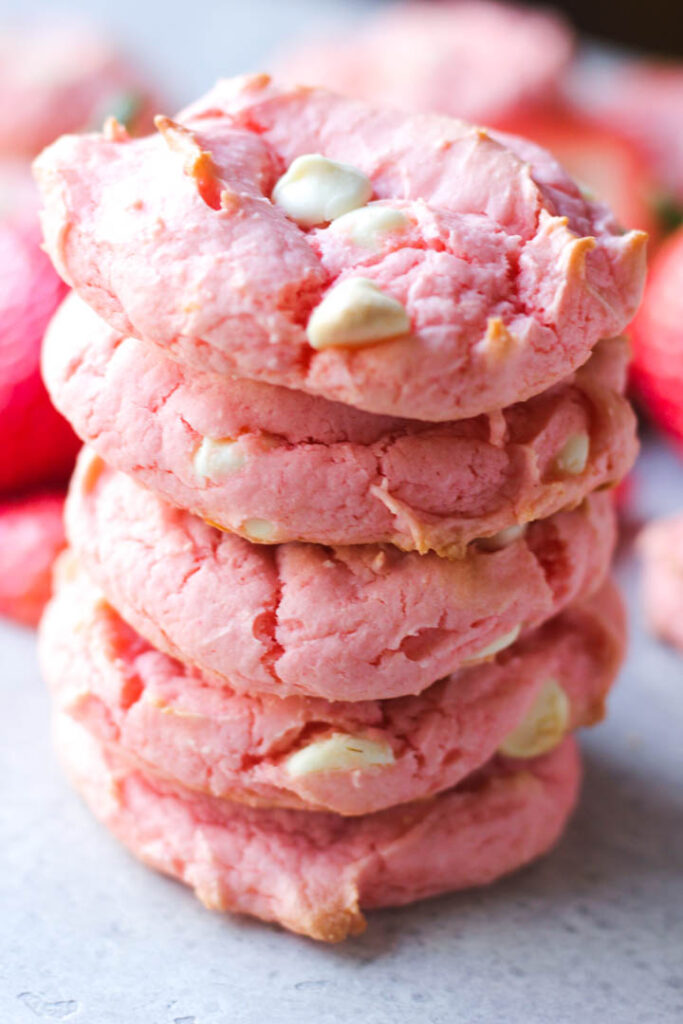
column 592, row 934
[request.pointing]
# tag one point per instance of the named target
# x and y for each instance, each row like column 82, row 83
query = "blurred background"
column 186, row 47
column 190, row 45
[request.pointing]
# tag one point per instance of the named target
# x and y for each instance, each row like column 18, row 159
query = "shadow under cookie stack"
column 351, row 386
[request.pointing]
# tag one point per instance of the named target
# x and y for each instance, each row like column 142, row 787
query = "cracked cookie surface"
column 507, row 275
column 344, row 623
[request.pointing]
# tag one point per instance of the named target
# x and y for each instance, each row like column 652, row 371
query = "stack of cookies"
column 351, row 385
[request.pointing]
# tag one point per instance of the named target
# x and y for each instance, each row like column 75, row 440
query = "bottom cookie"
column 31, row 537
column 312, row 872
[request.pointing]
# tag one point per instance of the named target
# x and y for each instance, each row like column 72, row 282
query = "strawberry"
column 31, row 537
column 657, row 335
column 38, row 446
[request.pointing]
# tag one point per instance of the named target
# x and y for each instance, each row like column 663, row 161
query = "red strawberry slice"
column 38, row 446
column 604, row 161
column 657, row 335
column 31, row 537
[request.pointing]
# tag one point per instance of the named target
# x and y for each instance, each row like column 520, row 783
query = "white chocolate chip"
column 261, row 531
column 503, row 538
column 544, row 725
column 214, row 460
column 573, row 455
column 506, row 640
column 368, row 225
column 356, row 313
column 315, row 190
column 339, row 753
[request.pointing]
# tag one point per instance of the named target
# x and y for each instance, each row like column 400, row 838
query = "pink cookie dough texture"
column 312, row 871
column 31, row 537
column 239, row 746
column 485, row 62
column 38, row 445
column 345, row 623
column 661, row 547
column 62, row 78
column 319, row 471
column 508, row 276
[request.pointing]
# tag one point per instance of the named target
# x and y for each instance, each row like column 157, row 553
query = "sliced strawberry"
column 38, row 446
column 31, row 537
column 657, row 335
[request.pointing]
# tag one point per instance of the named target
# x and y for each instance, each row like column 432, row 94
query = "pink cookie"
column 486, row 62
column 60, row 79
column 38, row 446
column 31, row 537
column 342, row 623
column 657, row 333
column 497, row 282
column 303, row 752
column 281, row 465
column 661, row 545
column 312, row 871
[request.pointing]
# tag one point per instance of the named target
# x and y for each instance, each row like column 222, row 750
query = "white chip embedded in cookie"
column 315, row 190
column 340, row 753
column 356, row 313
column 214, row 460
column 573, row 456
column 544, row 726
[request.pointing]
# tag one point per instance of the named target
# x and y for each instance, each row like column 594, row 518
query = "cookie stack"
column 351, row 385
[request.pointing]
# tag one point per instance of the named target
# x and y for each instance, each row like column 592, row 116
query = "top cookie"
column 405, row 264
